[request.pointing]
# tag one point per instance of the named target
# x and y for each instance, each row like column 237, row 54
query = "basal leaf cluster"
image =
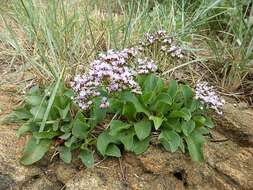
column 166, row 108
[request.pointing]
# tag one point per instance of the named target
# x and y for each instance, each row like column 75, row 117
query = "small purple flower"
column 164, row 42
column 161, row 32
column 167, row 40
column 208, row 96
column 150, row 38
column 104, row 103
column 145, row 66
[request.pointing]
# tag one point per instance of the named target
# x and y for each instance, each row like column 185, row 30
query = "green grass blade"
column 51, row 100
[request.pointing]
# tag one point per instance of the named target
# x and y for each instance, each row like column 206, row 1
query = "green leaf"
column 64, row 112
column 195, row 143
column 65, row 136
column 195, row 104
column 170, row 140
column 23, row 129
column 97, row 114
column 209, row 123
column 157, row 121
column 62, row 88
column 129, row 110
column 164, row 98
column 203, row 130
column 177, row 105
column 161, row 103
column 54, row 114
column 80, row 129
column 127, row 138
column 33, row 152
column 65, row 154
column 116, row 126
column 115, row 105
column 188, row 127
column 35, row 90
column 113, row 150
column 27, row 127
column 159, row 85
column 147, row 97
column 103, row 140
column 141, row 79
column 56, row 125
column 67, row 127
column 187, row 94
column 46, row 134
column 143, row 129
column 152, row 86
column 38, row 112
column 140, row 146
column 173, row 123
column 79, row 116
column 69, row 93
column 71, row 141
column 172, row 90
column 130, row 97
column 183, row 113
column 150, row 83
column 34, row 100
column 87, row 157
column 23, row 113
column 200, row 120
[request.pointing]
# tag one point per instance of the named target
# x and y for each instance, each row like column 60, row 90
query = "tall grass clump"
column 57, row 33
column 232, row 45
column 54, row 35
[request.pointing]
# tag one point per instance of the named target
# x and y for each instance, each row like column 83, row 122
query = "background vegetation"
column 47, row 35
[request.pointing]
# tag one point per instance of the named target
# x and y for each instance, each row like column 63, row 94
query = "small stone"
column 65, row 172
column 6, row 182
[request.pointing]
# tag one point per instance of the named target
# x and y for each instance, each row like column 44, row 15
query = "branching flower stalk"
column 160, row 41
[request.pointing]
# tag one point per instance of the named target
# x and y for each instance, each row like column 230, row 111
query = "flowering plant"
column 120, row 103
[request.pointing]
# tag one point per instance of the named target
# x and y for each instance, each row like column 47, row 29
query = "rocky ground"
column 228, row 164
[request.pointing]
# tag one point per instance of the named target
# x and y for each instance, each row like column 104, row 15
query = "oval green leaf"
column 33, row 152
column 65, row 154
column 87, row 158
column 143, row 129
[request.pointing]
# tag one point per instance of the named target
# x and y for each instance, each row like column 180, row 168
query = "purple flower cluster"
column 113, row 71
column 166, row 43
column 145, row 66
column 208, row 96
